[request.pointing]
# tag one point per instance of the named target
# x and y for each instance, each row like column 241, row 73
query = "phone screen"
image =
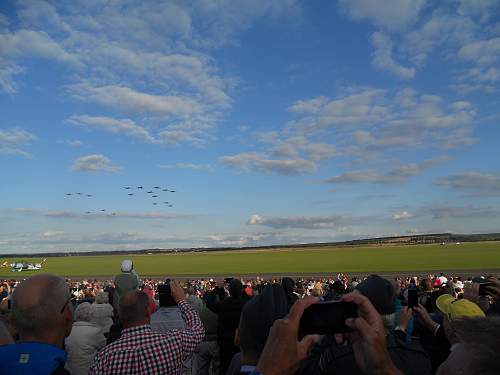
column 327, row 318
column 412, row 297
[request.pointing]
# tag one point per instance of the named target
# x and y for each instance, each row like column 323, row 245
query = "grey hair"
column 102, row 297
column 481, row 339
column 83, row 312
column 39, row 315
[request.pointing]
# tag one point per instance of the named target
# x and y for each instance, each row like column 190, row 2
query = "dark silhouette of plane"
column 154, row 204
column 156, row 187
column 170, row 205
column 88, row 195
column 103, row 210
column 69, row 194
column 139, row 187
column 165, row 190
column 154, row 196
column 130, row 193
column 150, row 192
column 165, row 202
column 172, row 191
column 79, row 193
column 127, row 187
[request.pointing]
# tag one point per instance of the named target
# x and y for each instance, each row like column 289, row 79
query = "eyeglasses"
column 70, row 299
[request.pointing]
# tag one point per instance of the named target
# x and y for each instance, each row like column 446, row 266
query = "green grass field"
column 466, row 256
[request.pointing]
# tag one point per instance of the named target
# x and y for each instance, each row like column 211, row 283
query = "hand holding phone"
column 327, row 318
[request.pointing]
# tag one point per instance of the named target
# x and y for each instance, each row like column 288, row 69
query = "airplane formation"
column 153, row 193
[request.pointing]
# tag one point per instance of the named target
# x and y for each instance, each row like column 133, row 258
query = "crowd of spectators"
column 49, row 325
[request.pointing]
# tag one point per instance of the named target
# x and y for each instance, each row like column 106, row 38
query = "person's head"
column 41, row 309
column 235, row 288
column 338, row 287
column 382, row 295
column 317, row 290
column 134, row 309
column 101, row 297
column 477, row 348
column 165, row 298
column 454, row 310
column 83, row 312
column 427, row 285
column 127, row 266
column 257, row 317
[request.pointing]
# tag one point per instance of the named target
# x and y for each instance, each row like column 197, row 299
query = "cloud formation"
column 398, row 175
column 472, row 183
column 305, row 222
column 12, row 140
column 94, row 163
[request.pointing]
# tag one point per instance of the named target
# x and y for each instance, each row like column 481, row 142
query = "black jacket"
column 327, row 358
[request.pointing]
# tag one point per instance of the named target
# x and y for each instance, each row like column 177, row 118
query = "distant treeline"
column 441, row 238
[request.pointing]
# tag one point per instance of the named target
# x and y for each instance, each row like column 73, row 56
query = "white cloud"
column 97, row 215
column 389, row 14
column 251, row 161
column 69, row 142
column 12, row 140
column 191, row 166
column 383, row 60
column 125, row 99
column 405, row 215
column 111, row 125
column 305, row 222
column 397, row 175
column 94, row 163
column 52, row 233
column 477, row 184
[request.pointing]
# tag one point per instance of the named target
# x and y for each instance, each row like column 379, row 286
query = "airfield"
column 384, row 259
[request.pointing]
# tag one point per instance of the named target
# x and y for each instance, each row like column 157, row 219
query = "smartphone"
column 412, row 297
column 482, row 288
column 327, row 318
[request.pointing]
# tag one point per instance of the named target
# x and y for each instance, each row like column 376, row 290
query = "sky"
column 274, row 122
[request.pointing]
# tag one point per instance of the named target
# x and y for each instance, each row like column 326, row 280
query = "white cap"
column 127, row 265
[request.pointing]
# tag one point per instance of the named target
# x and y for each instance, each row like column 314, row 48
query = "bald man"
column 42, row 314
column 142, row 351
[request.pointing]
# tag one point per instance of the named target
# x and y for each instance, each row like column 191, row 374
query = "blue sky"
column 274, row 122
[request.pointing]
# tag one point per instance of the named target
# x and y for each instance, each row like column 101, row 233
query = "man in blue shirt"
column 42, row 314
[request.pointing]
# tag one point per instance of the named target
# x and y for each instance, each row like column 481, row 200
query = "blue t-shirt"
column 30, row 358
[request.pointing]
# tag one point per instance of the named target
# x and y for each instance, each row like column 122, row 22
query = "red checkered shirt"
column 142, row 351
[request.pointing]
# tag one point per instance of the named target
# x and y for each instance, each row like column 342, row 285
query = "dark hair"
column 133, row 306
column 165, row 296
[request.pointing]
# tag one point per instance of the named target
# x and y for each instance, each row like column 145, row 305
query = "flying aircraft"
column 139, row 187
column 172, row 191
column 170, row 205
column 103, row 210
column 154, row 196
column 24, row 266
column 131, row 194
column 79, row 193
column 165, row 202
column 69, row 194
column 127, row 188
column 164, row 189
column 150, row 192
column 154, row 203
column 88, row 195
column 88, row 212
column 156, row 187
